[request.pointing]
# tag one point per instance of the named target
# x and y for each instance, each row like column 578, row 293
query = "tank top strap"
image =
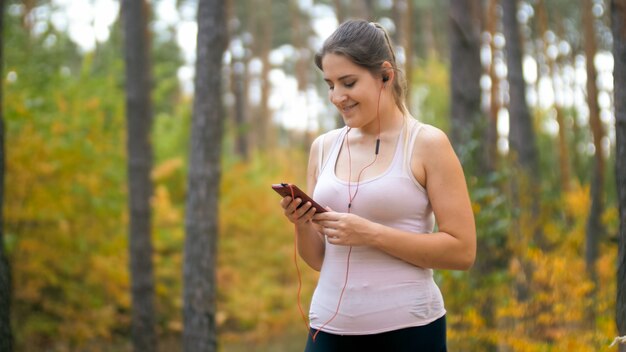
column 332, row 153
column 413, row 129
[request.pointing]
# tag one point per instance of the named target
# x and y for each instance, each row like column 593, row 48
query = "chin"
column 350, row 123
column 353, row 122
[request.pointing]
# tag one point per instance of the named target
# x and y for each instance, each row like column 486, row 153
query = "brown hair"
column 366, row 44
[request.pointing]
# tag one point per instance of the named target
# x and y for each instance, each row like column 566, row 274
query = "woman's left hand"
column 345, row 229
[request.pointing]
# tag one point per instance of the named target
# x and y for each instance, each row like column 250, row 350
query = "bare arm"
column 311, row 244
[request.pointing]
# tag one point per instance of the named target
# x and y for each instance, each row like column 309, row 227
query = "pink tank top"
column 383, row 293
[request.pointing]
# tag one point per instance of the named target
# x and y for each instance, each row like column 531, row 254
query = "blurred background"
column 544, row 197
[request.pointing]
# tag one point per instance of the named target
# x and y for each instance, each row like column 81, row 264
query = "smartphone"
column 285, row 190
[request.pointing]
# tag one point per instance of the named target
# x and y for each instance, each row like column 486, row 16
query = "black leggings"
column 427, row 338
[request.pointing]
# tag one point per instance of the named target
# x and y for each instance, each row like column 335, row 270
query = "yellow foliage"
column 166, row 168
column 63, row 211
column 545, row 301
column 475, row 207
column 93, row 103
column 555, row 316
column 257, row 276
column 66, row 218
column 168, row 225
column 577, row 201
column 167, row 215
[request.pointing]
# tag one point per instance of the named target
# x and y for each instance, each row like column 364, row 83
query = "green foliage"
column 257, row 274
column 431, row 93
column 257, row 278
column 66, row 218
column 485, row 309
column 65, row 204
column 166, row 59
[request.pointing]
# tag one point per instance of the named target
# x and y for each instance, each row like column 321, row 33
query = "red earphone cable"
column 358, row 179
column 345, row 283
column 350, row 199
column 295, row 261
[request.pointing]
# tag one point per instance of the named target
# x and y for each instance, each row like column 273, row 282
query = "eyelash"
column 347, row 85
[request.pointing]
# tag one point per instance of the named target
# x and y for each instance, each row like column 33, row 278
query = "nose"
column 337, row 96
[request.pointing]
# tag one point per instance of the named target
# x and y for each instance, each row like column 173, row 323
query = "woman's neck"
column 391, row 121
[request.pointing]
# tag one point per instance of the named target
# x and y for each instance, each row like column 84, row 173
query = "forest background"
column 545, row 276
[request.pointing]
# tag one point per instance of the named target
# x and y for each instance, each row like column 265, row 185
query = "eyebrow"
column 340, row 78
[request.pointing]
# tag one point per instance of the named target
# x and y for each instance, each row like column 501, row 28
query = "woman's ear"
column 388, row 74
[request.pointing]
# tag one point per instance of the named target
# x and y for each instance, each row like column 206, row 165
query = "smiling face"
column 352, row 89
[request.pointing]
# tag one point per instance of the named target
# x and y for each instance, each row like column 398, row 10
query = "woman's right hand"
column 298, row 216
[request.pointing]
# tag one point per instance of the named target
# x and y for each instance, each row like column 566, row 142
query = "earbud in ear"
column 385, row 78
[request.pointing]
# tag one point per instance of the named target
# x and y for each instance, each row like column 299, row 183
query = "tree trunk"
column 6, row 336
column 363, row 9
column 251, row 48
column 239, row 85
column 139, row 121
column 265, row 47
column 339, row 11
column 551, row 71
column 564, row 157
column 240, row 72
column 466, row 69
column 521, row 133
column 594, row 223
column 407, row 42
column 524, row 190
column 403, row 18
column 428, row 32
column 201, row 219
column 523, row 147
column 300, row 27
column 618, row 26
column 491, row 137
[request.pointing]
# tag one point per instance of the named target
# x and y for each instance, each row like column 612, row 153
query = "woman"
column 384, row 178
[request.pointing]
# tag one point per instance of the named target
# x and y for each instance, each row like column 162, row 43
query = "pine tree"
column 139, row 121
column 201, row 219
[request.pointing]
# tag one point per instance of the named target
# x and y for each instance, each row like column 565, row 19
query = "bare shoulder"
column 431, row 136
column 432, row 154
column 432, row 143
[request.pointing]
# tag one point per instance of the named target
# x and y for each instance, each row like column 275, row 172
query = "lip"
column 347, row 108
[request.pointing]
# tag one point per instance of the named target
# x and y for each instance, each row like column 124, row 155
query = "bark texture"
column 618, row 26
column 6, row 335
column 201, row 219
column 139, row 121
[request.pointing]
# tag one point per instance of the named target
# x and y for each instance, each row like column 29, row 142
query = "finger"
column 323, row 223
column 332, row 233
column 303, row 209
column 333, row 239
column 325, row 216
column 292, row 207
column 309, row 214
column 285, row 202
column 300, row 213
